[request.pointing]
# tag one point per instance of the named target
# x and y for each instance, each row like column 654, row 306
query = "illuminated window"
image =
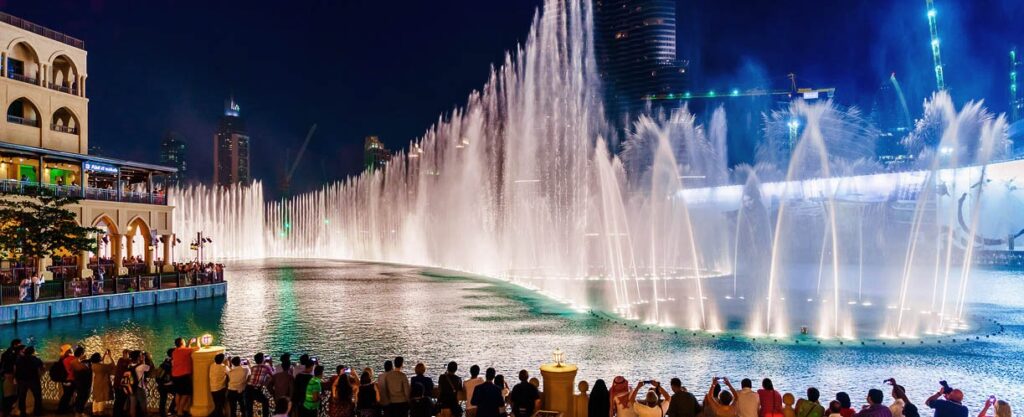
column 621, row 35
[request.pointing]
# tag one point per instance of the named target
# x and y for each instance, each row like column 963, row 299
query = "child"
column 281, row 407
column 787, row 405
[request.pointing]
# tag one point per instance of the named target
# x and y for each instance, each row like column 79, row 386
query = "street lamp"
column 558, row 357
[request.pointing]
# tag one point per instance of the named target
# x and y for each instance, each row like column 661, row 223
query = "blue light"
column 931, row 13
column 687, row 94
column 711, row 93
column 735, row 92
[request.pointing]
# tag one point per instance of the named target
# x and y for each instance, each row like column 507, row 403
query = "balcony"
column 90, row 193
column 40, row 30
column 23, row 78
column 22, row 121
column 64, row 129
column 64, row 89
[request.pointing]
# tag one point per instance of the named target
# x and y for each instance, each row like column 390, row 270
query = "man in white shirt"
column 469, row 385
column 141, row 364
column 654, row 404
column 238, row 377
column 218, row 385
column 747, row 402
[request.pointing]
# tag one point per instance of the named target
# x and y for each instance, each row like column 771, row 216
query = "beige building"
column 44, row 142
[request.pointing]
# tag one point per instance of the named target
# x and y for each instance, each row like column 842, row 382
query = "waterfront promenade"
column 27, row 300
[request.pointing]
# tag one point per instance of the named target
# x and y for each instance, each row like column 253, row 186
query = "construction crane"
column 933, row 31
column 287, row 182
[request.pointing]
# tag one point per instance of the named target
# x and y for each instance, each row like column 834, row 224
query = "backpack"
column 58, row 373
column 162, row 374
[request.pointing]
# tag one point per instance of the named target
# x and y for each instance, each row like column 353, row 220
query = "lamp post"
column 198, row 244
column 559, row 380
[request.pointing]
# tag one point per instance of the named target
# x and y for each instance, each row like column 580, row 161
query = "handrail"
column 22, row 121
column 23, row 78
column 13, row 186
column 27, row 292
column 41, row 30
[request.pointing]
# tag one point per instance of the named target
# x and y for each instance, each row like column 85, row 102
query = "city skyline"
column 435, row 63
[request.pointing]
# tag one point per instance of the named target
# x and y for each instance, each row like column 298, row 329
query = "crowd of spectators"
column 304, row 388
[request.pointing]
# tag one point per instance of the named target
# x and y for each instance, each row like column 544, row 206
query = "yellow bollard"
column 202, row 401
column 558, row 388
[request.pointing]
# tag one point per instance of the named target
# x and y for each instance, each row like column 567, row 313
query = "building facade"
column 1016, row 99
column 231, row 148
column 44, row 147
column 636, row 52
column 375, row 155
column 172, row 154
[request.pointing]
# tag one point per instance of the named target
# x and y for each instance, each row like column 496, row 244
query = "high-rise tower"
column 231, row 148
column 1016, row 101
column 172, row 154
column 375, row 155
column 636, row 51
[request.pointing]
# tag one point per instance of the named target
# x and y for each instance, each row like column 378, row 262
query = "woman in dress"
column 368, row 397
column 599, row 403
column 101, row 373
column 341, row 395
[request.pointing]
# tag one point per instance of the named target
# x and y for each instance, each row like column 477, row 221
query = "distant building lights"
column 711, row 93
column 687, row 94
column 735, row 92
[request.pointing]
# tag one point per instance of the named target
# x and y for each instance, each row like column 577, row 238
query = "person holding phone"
column 1002, row 408
column 951, row 405
column 653, row 404
column 722, row 404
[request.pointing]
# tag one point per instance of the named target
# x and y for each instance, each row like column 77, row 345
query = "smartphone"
column 346, row 370
column 314, row 359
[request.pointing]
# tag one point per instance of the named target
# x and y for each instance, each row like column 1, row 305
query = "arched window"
column 64, row 121
column 23, row 63
column 64, row 75
column 23, row 112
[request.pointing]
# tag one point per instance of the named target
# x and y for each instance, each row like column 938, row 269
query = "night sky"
column 391, row 68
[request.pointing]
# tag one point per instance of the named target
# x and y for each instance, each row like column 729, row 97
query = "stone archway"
column 139, row 242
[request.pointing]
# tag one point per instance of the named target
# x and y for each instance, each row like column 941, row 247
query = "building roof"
column 120, row 163
column 41, row 30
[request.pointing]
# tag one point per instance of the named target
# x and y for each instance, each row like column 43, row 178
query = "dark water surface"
column 360, row 314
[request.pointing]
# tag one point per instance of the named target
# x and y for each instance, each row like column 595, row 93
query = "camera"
column 946, row 389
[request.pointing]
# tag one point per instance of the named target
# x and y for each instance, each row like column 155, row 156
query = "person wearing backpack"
column 164, row 383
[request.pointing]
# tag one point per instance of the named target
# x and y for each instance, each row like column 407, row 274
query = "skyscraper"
column 891, row 116
column 1016, row 101
column 636, row 52
column 231, row 148
column 375, row 155
column 172, row 154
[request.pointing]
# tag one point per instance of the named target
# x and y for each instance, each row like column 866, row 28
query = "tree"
column 37, row 225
